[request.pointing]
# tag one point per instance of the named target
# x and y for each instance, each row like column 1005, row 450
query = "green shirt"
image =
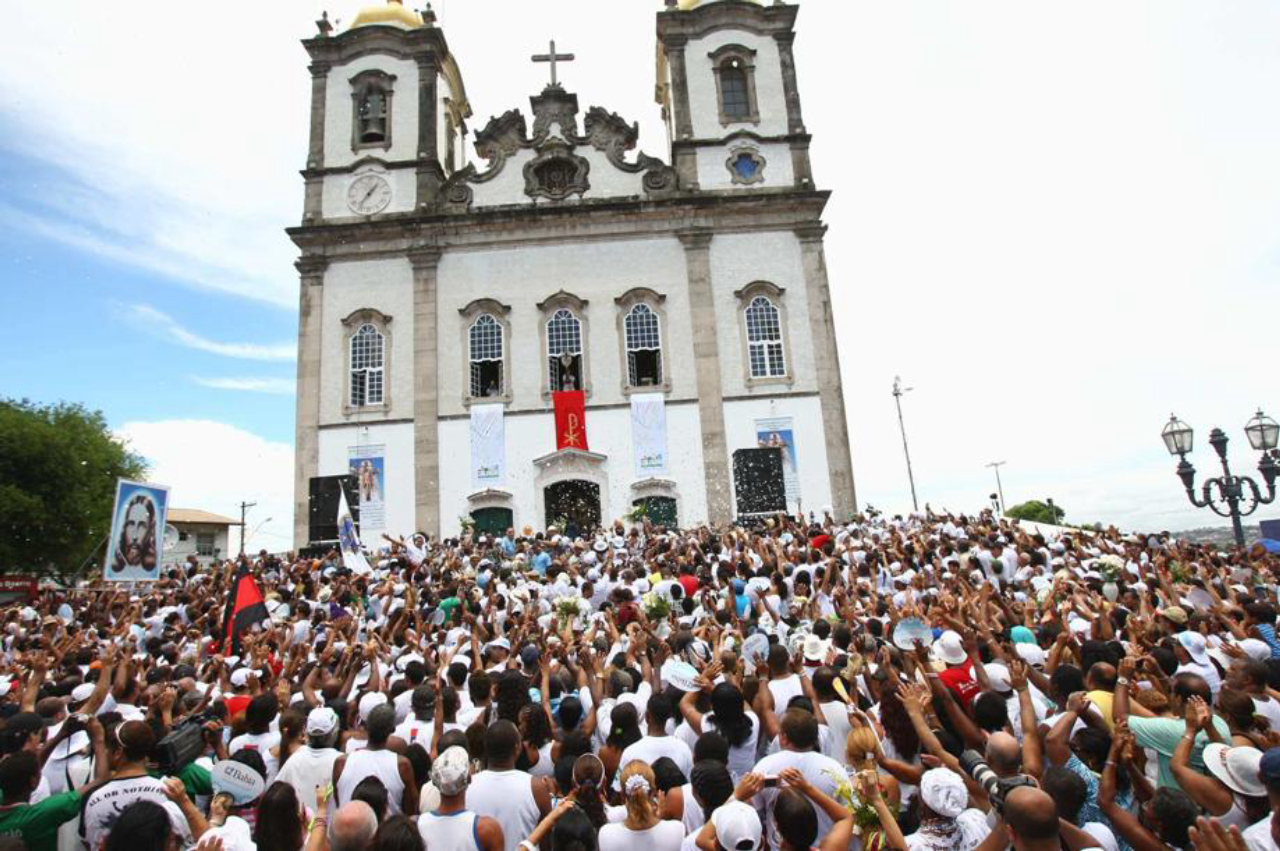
column 1163, row 734
column 37, row 824
column 447, row 605
column 195, row 778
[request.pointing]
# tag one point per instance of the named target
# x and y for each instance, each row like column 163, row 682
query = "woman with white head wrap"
column 947, row 822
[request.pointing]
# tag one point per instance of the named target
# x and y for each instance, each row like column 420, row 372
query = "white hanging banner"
column 488, row 446
column 649, row 433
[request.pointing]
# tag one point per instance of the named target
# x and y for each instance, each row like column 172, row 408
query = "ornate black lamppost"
column 1226, row 494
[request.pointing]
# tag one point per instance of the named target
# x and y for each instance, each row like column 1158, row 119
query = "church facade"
column 447, row 304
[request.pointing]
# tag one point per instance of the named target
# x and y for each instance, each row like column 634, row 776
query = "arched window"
column 564, row 351
column 366, row 367
column 485, row 354
column 733, row 90
column 764, row 339
column 644, row 347
column 734, row 69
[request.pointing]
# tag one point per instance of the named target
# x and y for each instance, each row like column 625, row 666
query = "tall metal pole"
column 996, row 465
column 244, row 506
column 898, row 390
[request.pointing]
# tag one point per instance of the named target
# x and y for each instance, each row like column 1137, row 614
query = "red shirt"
column 961, row 682
column 689, row 584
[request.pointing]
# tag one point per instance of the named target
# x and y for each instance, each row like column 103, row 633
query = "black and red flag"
column 244, row 609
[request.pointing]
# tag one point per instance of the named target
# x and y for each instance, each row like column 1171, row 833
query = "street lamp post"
column 996, row 465
column 1228, row 495
column 898, row 390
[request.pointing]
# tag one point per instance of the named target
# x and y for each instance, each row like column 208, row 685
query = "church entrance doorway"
column 660, row 510
column 574, row 505
column 492, row 521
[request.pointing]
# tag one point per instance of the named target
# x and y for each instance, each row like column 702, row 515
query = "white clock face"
column 369, row 194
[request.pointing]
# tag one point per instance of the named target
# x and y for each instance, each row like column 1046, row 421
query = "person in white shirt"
column 311, row 765
column 643, row 829
column 657, row 743
column 514, row 799
column 451, row 826
column 376, row 760
column 799, row 750
column 419, row 727
column 784, row 684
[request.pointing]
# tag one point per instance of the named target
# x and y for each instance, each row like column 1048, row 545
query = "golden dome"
column 393, row 13
column 686, row 5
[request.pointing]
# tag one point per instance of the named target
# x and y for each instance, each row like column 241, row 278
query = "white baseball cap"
column 371, row 701
column 321, row 721
column 737, row 826
column 1194, row 644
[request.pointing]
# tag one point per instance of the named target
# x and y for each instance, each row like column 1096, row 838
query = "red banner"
column 571, row 419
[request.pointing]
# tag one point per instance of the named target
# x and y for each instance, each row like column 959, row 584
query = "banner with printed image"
column 368, row 464
column 777, row 432
column 488, row 446
column 649, row 434
column 137, row 531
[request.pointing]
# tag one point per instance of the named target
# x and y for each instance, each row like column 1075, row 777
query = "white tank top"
column 382, row 764
column 452, row 832
column 544, row 767
column 507, row 798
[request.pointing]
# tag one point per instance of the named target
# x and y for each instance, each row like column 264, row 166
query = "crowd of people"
column 923, row 682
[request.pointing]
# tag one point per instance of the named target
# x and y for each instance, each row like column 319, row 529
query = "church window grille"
column 564, row 351
column 366, row 367
column 485, row 344
column 735, row 96
column 644, row 347
column 764, row 339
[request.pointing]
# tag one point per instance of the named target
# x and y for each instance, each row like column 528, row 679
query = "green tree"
column 58, row 469
column 1037, row 512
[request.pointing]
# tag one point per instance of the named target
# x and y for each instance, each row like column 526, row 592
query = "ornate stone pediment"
column 557, row 171
column 555, row 174
column 502, row 137
column 570, row 461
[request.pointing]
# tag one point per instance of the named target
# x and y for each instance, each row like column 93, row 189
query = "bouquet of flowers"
column 1111, row 567
column 1179, row 573
column 568, row 609
column 866, row 822
column 656, row 607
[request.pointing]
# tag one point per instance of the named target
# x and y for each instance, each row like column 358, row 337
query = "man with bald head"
column 1003, row 754
column 1031, row 820
column 353, row 827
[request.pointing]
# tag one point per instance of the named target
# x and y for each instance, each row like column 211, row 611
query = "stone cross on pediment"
column 553, row 57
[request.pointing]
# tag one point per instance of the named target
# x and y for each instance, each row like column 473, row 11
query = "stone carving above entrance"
column 559, row 167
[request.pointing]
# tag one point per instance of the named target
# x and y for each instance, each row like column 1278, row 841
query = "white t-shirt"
column 99, row 811
column 783, row 689
column 819, row 769
column 652, row 748
column 663, row 836
column 1268, row 708
column 1208, row 672
column 1258, row 836
column 306, row 769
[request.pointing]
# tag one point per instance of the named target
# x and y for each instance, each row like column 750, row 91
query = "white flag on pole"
column 349, row 540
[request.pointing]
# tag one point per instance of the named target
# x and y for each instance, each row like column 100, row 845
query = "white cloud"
column 276, row 386
column 214, row 466
column 166, row 327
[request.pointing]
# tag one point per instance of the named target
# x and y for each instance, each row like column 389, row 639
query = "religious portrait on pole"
column 133, row 548
column 368, row 464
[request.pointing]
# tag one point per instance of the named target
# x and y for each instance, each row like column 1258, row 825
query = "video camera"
column 996, row 787
column 185, row 742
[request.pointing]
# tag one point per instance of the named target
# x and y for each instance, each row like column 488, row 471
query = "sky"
column 1056, row 222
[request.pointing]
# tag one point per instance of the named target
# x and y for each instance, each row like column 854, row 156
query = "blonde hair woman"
column 643, row 829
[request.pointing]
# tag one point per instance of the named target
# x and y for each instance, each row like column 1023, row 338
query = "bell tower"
column 388, row 115
column 727, row 86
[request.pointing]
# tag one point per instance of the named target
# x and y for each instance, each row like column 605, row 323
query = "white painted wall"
column 335, row 454
column 738, row 260
column 597, row 272
column 531, row 435
column 386, row 286
column 713, row 173
column 810, row 445
column 702, row 84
